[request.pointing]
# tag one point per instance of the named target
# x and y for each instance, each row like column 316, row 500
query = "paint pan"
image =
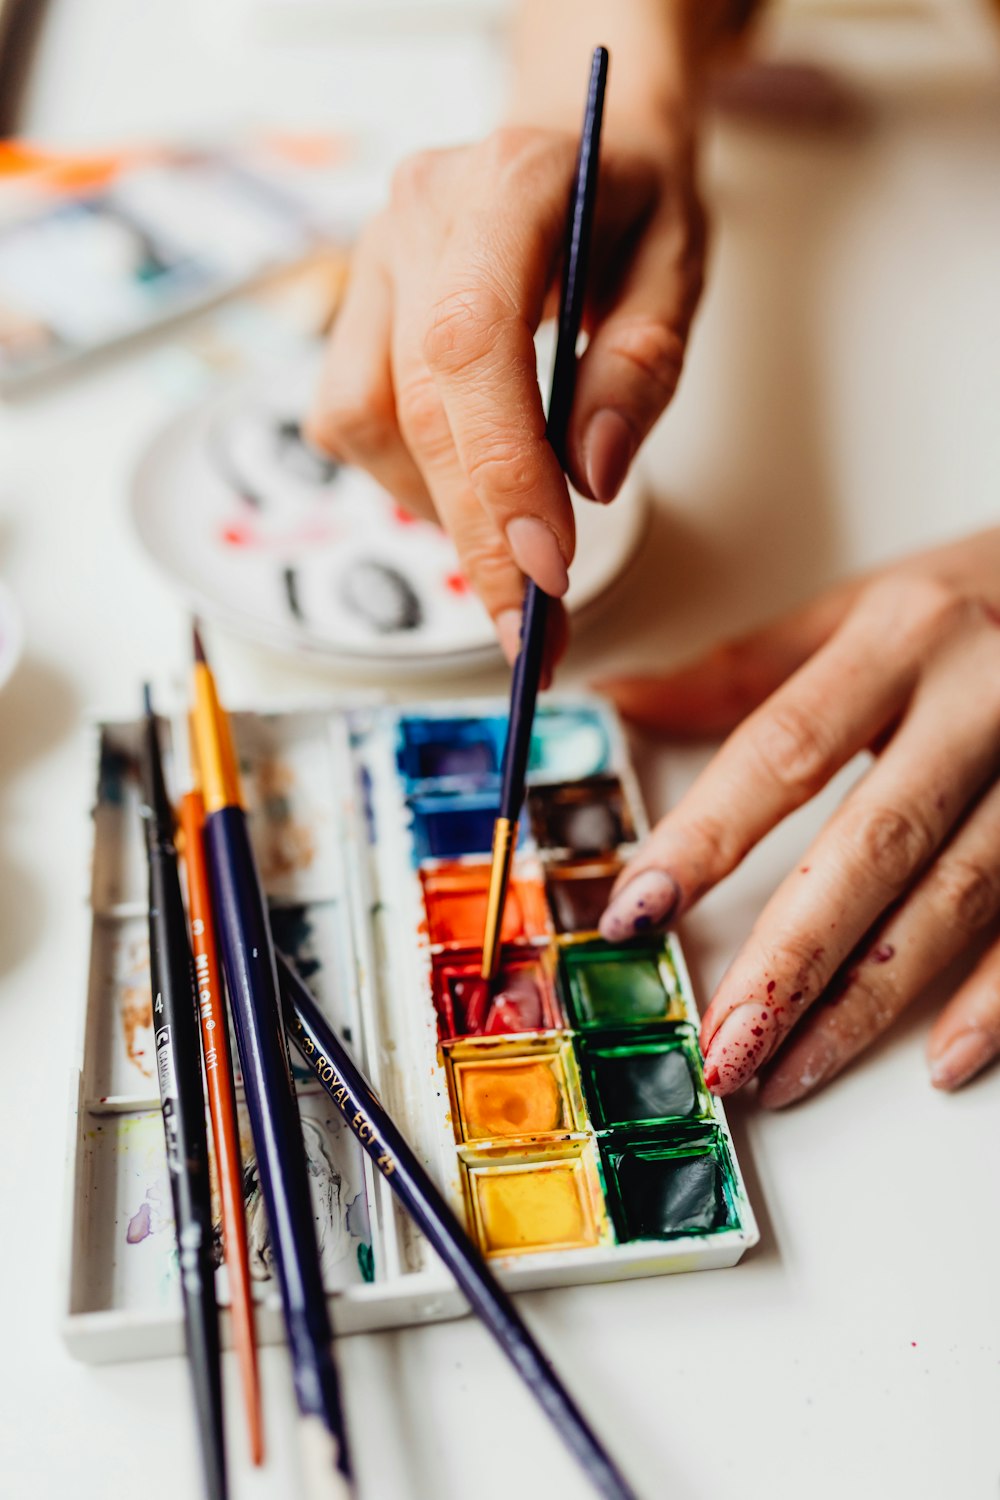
column 527, row 1089
column 623, row 986
column 530, row 1204
column 451, row 825
column 662, row 1185
column 455, row 897
column 578, row 893
column 583, row 817
column 446, row 751
column 568, row 744
column 521, row 999
column 643, row 1077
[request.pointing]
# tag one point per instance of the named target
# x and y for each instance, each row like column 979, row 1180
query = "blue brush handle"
column 251, row 975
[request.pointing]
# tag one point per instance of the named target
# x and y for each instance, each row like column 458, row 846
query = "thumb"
column 631, row 366
column 708, row 697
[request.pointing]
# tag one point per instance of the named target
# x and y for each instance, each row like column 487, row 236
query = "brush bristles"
column 147, row 700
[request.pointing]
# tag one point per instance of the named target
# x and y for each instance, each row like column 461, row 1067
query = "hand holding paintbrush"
column 528, row 667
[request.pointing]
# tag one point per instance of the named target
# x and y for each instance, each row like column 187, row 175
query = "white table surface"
column 839, row 407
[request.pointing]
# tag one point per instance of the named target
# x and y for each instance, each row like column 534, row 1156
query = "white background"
column 840, row 406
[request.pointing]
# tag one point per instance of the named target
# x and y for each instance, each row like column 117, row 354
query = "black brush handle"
column 178, row 1065
column 580, row 221
column 350, row 1090
column 251, row 976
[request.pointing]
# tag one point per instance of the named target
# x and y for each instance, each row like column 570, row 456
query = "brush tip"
column 199, row 649
column 147, row 699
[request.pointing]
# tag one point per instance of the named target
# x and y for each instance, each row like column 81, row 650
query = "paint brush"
column 528, row 667
column 251, row 975
column 347, row 1086
column 178, row 1066
column 221, row 1091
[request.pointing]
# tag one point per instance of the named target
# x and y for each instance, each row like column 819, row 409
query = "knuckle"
column 713, row 847
column 968, row 892
column 797, row 964
column 893, row 843
column 653, row 350
column 421, row 417
column 501, row 467
column 515, row 147
column 412, row 177
column 354, row 423
column 463, row 325
column 916, row 608
column 873, row 1003
column 794, row 747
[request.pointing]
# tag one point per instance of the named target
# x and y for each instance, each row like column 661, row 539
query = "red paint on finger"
column 882, row 953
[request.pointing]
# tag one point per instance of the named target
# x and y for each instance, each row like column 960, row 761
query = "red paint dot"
column 402, row 517
column 770, row 988
column 913, row 1343
column 457, row 583
column 794, row 999
column 757, row 1030
column 236, row 535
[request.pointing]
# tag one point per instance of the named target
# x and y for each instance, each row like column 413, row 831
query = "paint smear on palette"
column 133, row 998
column 314, row 936
column 340, row 1204
column 131, row 1164
column 286, row 845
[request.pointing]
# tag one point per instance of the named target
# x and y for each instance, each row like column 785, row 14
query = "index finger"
column 480, row 349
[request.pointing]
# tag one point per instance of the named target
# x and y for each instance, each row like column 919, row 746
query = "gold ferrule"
column 213, row 742
column 504, row 844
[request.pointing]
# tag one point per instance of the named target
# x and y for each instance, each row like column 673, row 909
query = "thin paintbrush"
column 178, row 1066
column 528, row 667
column 221, row 1095
column 251, row 975
column 332, row 1064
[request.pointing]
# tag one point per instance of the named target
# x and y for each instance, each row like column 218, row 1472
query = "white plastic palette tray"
column 357, row 818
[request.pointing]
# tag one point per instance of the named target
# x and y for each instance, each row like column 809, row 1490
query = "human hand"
column 905, row 663
column 430, row 381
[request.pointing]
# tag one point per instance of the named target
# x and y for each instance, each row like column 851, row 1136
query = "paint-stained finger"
column 782, row 755
column 955, row 900
column 354, row 412
column 869, row 856
column 710, row 696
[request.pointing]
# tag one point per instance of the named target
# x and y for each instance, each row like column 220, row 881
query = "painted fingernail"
column 962, row 1059
column 645, row 902
column 608, row 448
column 737, row 1049
column 508, row 628
column 536, row 552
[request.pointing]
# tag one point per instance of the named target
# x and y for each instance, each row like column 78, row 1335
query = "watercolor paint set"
column 562, row 1109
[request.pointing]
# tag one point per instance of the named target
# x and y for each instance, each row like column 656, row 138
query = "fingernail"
column 961, row 1059
column 508, row 628
column 537, row 553
column 736, row 1050
column 608, row 447
column 646, row 901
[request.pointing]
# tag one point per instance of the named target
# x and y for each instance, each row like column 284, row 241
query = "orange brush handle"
column 222, row 1107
